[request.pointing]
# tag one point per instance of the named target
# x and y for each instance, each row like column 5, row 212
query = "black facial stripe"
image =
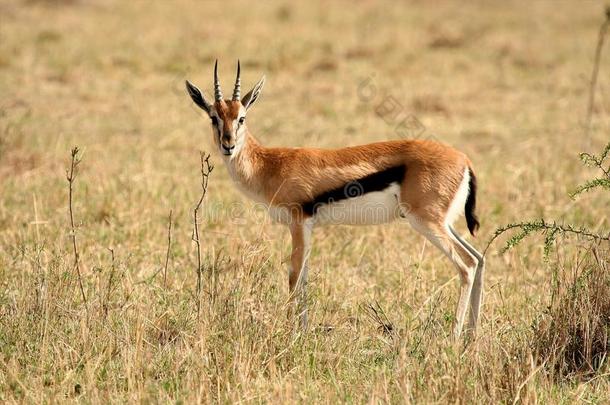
column 373, row 182
column 216, row 125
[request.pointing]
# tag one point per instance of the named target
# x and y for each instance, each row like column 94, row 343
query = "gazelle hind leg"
column 464, row 261
column 476, row 296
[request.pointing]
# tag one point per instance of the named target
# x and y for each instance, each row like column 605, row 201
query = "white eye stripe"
column 239, row 122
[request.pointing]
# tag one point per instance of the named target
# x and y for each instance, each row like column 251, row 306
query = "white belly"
column 377, row 207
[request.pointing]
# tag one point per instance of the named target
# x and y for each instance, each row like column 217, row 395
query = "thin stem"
column 598, row 53
column 542, row 225
column 169, row 245
column 71, row 176
column 206, row 169
column 110, row 280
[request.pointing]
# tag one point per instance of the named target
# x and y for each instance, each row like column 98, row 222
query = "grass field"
column 505, row 82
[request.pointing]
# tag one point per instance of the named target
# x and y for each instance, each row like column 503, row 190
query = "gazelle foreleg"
column 300, row 231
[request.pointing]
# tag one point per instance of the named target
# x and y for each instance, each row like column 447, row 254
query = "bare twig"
column 70, row 176
column 169, row 245
column 598, row 53
column 110, row 280
column 206, row 169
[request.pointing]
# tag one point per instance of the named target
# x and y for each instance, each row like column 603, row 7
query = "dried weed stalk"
column 206, row 170
column 71, row 176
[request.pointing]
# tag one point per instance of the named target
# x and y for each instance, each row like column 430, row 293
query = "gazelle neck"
column 244, row 163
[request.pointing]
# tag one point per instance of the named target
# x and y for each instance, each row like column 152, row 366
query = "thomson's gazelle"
column 427, row 183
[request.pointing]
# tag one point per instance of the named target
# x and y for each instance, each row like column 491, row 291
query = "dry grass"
column 574, row 330
column 506, row 83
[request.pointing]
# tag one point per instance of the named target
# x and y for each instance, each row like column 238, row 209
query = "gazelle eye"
column 214, row 121
column 242, row 120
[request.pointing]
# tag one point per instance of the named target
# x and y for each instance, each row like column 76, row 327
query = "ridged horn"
column 237, row 89
column 217, row 91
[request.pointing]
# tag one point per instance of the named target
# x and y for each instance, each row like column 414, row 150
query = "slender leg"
column 297, row 276
column 476, row 296
column 462, row 259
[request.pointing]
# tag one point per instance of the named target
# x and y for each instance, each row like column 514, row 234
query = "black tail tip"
column 471, row 203
column 473, row 224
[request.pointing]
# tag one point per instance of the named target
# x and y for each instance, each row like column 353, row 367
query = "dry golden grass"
column 505, row 83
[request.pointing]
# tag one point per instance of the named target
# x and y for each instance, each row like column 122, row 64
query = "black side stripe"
column 373, row 182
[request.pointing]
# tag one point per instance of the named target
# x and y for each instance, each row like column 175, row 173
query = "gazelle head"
column 228, row 116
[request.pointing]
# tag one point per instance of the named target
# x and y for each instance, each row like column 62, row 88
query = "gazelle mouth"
column 227, row 151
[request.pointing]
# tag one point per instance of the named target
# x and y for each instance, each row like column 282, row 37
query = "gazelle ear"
column 253, row 94
column 197, row 97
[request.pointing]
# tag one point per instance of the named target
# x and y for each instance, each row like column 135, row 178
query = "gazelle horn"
column 237, row 89
column 217, row 92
